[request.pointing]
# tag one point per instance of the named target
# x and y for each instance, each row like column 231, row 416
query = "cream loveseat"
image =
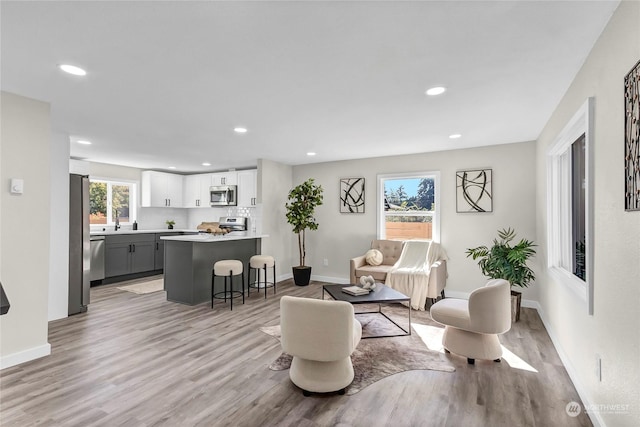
column 412, row 276
column 391, row 251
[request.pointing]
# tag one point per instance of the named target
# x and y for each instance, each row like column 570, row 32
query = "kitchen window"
column 569, row 192
column 109, row 200
column 409, row 206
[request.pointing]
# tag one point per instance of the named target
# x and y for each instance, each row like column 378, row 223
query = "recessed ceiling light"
column 83, row 142
column 311, row 153
column 435, row 90
column 206, row 164
column 455, row 136
column 240, row 130
column 72, row 69
column 171, row 167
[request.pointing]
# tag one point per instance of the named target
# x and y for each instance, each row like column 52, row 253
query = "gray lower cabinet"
column 159, row 263
column 127, row 254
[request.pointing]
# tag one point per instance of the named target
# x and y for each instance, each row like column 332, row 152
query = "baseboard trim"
column 328, row 279
column 25, row 356
column 594, row 416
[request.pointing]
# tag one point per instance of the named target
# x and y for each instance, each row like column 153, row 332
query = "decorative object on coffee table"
column 503, row 261
column 303, row 200
column 474, row 191
column 632, row 139
column 352, row 195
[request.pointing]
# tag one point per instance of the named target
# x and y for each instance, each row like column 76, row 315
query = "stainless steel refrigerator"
column 79, row 244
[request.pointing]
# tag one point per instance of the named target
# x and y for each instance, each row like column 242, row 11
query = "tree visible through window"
column 408, row 208
column 110, row 200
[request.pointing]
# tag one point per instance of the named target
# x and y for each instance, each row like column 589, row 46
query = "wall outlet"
column 598, row 367
column 325, row 262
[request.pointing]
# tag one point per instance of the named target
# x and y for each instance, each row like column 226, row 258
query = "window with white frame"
column 109, row 200
column 569, row 240
column 409, row 206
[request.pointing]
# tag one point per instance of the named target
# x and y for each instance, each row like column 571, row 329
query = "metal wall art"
column 632, row 139
column 474, row 191
column 352, row 195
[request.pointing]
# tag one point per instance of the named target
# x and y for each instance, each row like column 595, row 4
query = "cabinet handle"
column 129, row 248
column 157, row 246
column 169, row 202
column 134, row 248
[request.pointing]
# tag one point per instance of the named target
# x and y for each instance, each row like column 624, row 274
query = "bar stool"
column 227, row 268
column 258, row 262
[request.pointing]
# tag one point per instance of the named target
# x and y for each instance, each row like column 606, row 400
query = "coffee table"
column 380, row 295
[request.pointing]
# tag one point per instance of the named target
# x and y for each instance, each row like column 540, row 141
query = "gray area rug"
column 378, row 358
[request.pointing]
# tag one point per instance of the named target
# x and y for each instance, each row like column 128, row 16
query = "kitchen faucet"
column 117, row 221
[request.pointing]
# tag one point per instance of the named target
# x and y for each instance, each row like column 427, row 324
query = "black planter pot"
column 301, row 275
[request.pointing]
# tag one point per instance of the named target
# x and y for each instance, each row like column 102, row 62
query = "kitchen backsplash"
column 155, row 218
column 197, row 216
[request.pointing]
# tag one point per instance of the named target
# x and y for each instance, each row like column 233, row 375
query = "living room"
column 582, row 339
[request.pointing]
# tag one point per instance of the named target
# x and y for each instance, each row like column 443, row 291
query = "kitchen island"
column 189, row 259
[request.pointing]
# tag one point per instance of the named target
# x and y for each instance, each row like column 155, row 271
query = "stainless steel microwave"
column 223, row 195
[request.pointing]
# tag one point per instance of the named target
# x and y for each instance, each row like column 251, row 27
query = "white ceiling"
column 168, row 81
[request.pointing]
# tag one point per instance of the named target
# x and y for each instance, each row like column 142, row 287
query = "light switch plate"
column 17, row 186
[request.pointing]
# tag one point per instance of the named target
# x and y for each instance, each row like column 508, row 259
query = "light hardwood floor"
column 138, row 360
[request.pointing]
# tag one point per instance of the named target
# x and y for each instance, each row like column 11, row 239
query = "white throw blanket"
column 410, row 274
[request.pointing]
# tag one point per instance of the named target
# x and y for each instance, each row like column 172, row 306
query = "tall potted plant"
column 303, row 201
column 503, row 261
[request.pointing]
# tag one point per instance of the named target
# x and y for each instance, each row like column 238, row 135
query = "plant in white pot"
column 303, row 200
column 503, row 261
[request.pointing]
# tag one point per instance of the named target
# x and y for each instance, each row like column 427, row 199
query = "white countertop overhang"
column 206, row 237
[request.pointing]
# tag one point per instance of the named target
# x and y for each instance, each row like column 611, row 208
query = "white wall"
column 344, row 236
column 24, row 228
column 612, row 331
column 274, row 183
column 59, row 231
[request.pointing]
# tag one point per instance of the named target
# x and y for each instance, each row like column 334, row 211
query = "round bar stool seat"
column 227, row 268
column 257, row 263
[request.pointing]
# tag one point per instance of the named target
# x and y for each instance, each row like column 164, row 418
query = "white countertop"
column 206, row 237
column 110, row 231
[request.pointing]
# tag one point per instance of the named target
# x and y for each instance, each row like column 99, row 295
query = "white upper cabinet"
column 225, row 178
column 247, row 188
column 160, row 189
column 196, row 190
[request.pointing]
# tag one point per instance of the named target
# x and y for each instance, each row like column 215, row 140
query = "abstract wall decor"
column 474, row 191
column 632, row 139
column 352, row 195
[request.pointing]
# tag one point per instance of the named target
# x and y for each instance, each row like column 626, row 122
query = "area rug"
column 144, row 288
column 378, row 358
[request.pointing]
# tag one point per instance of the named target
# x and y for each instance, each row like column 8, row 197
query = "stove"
column 233, row 223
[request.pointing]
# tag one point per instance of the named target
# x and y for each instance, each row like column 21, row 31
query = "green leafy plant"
column 303, row 200
column 170, row 223
column 503, row 261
